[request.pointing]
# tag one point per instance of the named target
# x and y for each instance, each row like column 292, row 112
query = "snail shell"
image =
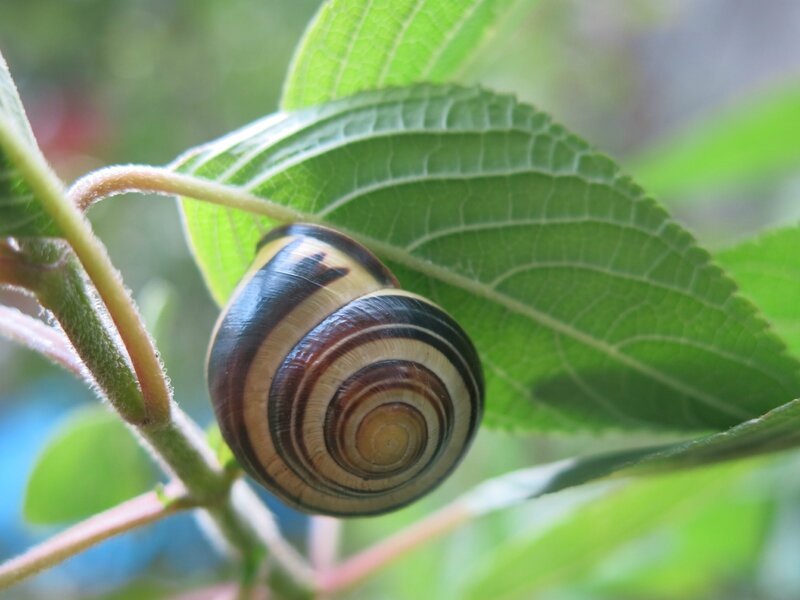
column 337, row 391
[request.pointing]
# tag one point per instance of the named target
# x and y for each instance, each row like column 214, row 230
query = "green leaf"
column 588, row 304
column 767, row 270
column 689, row 560
column 525, row 567
column 358, row 45
column 20, row 161
column 777, row 430
column 754, row 140
column 92, row 463
column 773, row 432
column 221, row 450
column 158, row 302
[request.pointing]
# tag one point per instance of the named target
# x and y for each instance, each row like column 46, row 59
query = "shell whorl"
column 339, row 392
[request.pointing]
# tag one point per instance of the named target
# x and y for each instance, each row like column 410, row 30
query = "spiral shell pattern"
column 337, row 391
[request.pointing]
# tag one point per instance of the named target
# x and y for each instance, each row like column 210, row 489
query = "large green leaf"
column 92, row 463
column 767, row 270
column 530, row 564
column 587, row 303
column 753, row 140
column 357, row 45
column 20, row 160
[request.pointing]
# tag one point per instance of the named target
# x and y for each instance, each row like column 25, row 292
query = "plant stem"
column 240, row 518
column 323, row 541
column 95, row 260
column 144, row 400
column 13, row 270
column 142, row 510
column 62, row 290
column 323, row 547
column 113, row 181
column 366, row 563
column 179, row 446
column 132, row 178
column 35, row 335
column 243, row 520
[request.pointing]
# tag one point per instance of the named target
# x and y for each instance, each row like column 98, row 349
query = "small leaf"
column 20, row 212
column 751, row 141
column 767, row 270
column 357, row 45
column 221, row 450
column 92, row 463
column 527, row 566
column 589, row 306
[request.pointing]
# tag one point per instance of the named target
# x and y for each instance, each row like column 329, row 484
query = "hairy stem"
column 138, row 512
column 123, row 179
column 62, row 289
column 241, row 520
column 92, row 254
column 35, row 335
column 13, row 268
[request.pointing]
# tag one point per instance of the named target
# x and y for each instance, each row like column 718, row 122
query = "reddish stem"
column 41, row 338
column 366, row 563
column 139, row 511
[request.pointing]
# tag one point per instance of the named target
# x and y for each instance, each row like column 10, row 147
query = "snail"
column 336, row 390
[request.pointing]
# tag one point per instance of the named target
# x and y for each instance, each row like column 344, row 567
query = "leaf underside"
column 773, row 432
column 20, row 212
column 590, row 307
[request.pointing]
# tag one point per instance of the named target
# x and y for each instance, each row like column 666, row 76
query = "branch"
column 92, row 254
column 323, row 541
column 62, row 289
column 238, row 516
column 138, row 512
column 225, row 591
column 35, row 335
column 173, row 437
column 388, row 551
column 241, row 519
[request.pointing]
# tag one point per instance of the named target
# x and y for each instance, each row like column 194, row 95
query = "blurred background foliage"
column 699, row 98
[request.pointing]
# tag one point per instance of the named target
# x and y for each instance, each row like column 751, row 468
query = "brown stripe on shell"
column 309, row 361
column 341, row 242
column 380, row 376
